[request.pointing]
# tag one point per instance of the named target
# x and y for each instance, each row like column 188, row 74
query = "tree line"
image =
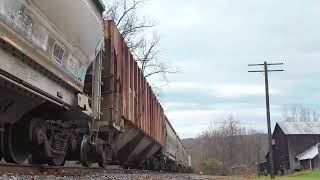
column 228, row 147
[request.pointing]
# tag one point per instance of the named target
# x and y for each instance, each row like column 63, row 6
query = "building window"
column 58, row 52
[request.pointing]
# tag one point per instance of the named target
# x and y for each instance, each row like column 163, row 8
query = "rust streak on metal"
column 137, row 102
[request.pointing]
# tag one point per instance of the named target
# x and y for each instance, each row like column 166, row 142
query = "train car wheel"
column 57, row 161
column 15, row 144
column 84, row 149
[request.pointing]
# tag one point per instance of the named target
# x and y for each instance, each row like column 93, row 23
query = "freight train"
column 72, row 91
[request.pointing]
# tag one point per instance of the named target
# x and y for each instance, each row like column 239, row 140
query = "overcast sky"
column 212, row 41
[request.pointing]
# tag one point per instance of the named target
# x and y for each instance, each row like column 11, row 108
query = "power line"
column 266, row 71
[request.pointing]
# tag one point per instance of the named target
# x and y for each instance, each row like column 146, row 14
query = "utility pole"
column 266, row 71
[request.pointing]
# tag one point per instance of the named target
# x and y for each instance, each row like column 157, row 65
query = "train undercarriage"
column 41, row 131
column 52, row 142
column 162, row 163
column 42, row 140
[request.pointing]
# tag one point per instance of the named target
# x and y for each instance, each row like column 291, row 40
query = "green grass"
column 310, row 175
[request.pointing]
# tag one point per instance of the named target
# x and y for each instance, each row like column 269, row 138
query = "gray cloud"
column 214, row 40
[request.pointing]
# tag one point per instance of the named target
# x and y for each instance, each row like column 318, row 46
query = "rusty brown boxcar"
column 138, row 111
column 147, row 140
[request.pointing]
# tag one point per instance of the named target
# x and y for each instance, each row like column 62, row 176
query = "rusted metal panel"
column 139, row 123
column 136, row 91
column 138, row 104
column 132, row 94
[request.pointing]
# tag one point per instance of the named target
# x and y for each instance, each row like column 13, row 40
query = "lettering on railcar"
column 16, row 15
column 20, row 69
column 21, row 21
column 72, row 65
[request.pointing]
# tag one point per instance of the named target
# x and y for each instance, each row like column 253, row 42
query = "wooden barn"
column 310, row 158
column 292, row 140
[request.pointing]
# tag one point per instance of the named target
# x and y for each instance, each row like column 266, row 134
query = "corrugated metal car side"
column 182, row 155
column 171, row 141
column 179, row 153
column 184, row 152
column 138, row 104
column 185, row 157
column 174, row 147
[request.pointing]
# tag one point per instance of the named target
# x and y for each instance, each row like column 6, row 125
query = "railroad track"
column 24, row 169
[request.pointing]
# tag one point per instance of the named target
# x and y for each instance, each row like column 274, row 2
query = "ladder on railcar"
column 104, row 86
column 97, row 70
column 110, row 91
column 95, row 142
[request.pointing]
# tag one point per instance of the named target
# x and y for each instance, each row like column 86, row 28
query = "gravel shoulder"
column 24, row 172
column 122, row 176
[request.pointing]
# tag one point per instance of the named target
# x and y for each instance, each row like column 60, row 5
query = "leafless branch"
column 127, row 10
column 299, row 112
column 143, row 45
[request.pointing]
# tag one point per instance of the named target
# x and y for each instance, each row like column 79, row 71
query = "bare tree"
column 136, row 31
column 299, row 112
column 233, row 145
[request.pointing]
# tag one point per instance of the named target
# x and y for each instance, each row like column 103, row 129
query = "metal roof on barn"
column 290, row 128
column 309, row 153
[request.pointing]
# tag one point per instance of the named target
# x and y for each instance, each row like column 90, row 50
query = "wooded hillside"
column 227, row 148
